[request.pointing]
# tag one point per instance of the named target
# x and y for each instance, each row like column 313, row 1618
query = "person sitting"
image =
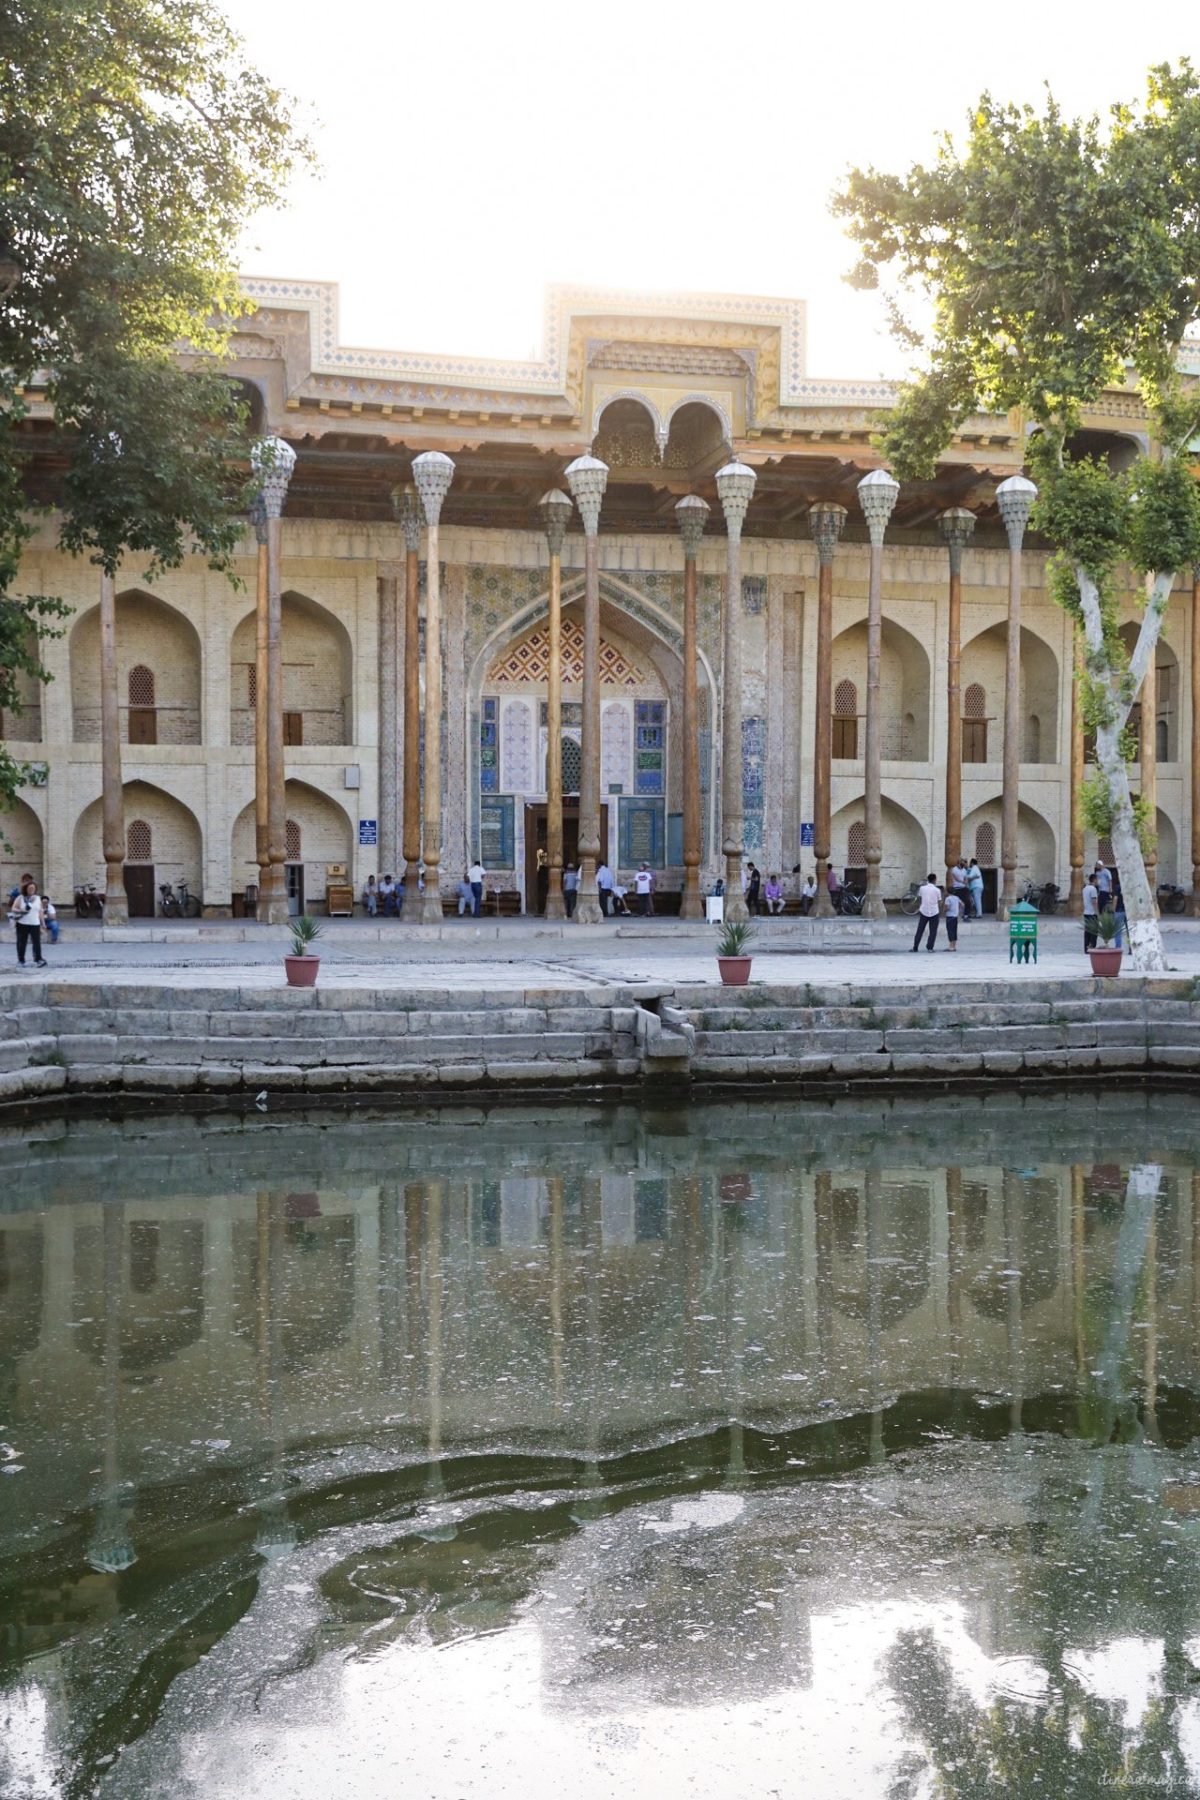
column 618, row 901
column 370, row 897
column 387, row 896
column 773, row 894
column 466, row 896
column 808, row 893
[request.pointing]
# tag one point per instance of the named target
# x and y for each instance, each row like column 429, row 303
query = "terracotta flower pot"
column 302, row 970
column 1106, row 961
column 735, row 970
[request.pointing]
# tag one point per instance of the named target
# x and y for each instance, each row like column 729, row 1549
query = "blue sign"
column 368, row 831
column 806, row 834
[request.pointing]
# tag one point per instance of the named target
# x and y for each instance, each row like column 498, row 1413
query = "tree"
column 1059, row 258
column 135, row 142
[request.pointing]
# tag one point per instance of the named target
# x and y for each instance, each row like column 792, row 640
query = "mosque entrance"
column 537, row 876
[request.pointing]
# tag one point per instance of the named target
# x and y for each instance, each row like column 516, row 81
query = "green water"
column 765, row 1450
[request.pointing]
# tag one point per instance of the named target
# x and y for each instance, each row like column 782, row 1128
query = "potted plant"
column 733, row 959
column 1106, row 957
column 302, row 963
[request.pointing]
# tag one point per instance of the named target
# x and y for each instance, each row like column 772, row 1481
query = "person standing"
column 1104, row 883
column 1118, row 906
column 753, row 889
column 27, row 915
column 475, row 877
column 955, row 908
column 975, row 887
column 643, row 882
column 834, row 886
column 604, row 888
column 1091, row 914
column 570, row 888
column 464, row 895
column 958, row 884
column 930, row 897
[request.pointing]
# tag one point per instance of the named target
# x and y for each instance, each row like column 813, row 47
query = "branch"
column 1089, row 603
column 1152, row 624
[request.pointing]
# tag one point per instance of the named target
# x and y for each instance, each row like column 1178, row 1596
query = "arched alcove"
column 905, row 847
column 1167, row 696
column 904, row 690
column 1037, row 855
column 22, row 723
column 984, row 659
column 1168, row 847
column 23, row 829
column 318, row 675
column 697, row 434
column 320, row 830
column 158, row 659
column 628, row 433
column 176, row 850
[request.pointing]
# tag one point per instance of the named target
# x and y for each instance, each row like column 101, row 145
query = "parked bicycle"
column 188, row 904
column 178, row 905
column 1172, row 899
column 88, row 903
column 1045, row 896
column 168, row 905
column 910, row 903
column 849, row 901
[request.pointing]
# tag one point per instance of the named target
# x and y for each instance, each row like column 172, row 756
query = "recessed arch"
column 1037, row 851
column 23, row 829
column 698, row 431
column 904, row 845
column 158, row 652
column 1166, row 697
column 984, row 660
column 1168, row 847
column 318, row 674
column 629, row 431
column 176, row 839
column 325, row 831
column 904, row 677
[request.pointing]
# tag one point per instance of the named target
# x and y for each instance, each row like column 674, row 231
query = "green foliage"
column 1095, row 803
column 305, row 931
column 735, row 935
column 135, row 142
column 1107, row 925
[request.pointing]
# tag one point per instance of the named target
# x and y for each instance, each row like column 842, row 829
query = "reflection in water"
column 766, row 1420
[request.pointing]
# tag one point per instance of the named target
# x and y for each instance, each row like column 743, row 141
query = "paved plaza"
column 521, row 954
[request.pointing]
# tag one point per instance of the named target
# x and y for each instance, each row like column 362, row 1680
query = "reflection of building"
column 662, row 389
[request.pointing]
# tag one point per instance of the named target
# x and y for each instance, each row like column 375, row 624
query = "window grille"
column 138, row 842
column 291, row 840
column 985, row 845
column 141, row 685
column 856, row 845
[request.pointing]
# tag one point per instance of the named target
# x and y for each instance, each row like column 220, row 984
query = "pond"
column 785, row 1448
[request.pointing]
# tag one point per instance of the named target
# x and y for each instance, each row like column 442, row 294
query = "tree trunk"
column 1141, row 909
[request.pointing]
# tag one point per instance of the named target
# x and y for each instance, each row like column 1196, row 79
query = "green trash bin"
column 1022, row 932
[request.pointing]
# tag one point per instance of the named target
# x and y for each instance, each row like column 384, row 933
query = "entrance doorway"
column 537, row 873
column 139, row 889
column 293, row 878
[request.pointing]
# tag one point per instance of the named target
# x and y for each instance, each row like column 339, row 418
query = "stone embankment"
column 69, row 1038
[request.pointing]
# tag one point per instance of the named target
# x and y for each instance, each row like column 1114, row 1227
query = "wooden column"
column 273, row 461
column 1195, row 673
column 1075, row 895
column 261, row 800
column 389, row 681
column 1148, row 759
column 877, row 494
column 555, row 509
column 691, row 512
column 410, row 848
column 116, row 904
column 433, row 472
column 1015, row 499
column 826, row 522
column 735, row 485
column 588, row 478
column 957, row 524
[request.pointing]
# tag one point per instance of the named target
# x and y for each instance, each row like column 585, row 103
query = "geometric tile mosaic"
column 529, row 660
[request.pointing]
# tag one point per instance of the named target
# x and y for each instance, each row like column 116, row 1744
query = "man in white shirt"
column 387, row 896
column 604, row 887
column 475, row 877
column 643, row 882
column 1091, row 910
column 930, row 897
column 808, row 894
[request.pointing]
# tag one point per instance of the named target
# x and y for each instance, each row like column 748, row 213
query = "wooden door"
column 139, row 889
column 143, row 725
column 293, row 727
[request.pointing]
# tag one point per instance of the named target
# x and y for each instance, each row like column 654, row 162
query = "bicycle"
column 849, row 901
column 187, row 903
column 910, row 903
column 88, row 903
column 1172, row 899
column 1044, row 896
column 168, row 905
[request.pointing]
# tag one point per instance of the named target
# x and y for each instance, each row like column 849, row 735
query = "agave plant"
column 304, row 931
column 736, row 934
column 1107, row 925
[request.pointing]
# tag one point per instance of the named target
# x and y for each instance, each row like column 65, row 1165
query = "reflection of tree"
column 1065, row 1743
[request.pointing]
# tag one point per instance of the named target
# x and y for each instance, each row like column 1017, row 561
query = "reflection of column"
column 873, row 1200
column 433, row 472
column 1148, row 758
column 555, row 509
column 877, row 496
column 434, row 1317
column 735, row 485
column 587, row 478
column 414, row 1237
column 116, row 905
column 262, row 840
column 1015, row 498
column 691, row 512
column 1078, row 1269
column 823, row 1209
column 1150, row 1347
column 1013, row 1252
column 690, row 1197
column 1075, row 897
column 957, row 524
column 109, row 1550
column 391, row 1258
column 404, row 501
column 554, row 1196
column 826, row 521
column 956, row 1261
column 389, row 674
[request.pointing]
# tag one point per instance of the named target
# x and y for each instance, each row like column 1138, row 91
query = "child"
column 954, row 906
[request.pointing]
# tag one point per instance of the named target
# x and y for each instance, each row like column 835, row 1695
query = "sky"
column 472, row 153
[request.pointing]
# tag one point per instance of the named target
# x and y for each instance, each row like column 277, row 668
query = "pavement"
column 520, row 954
